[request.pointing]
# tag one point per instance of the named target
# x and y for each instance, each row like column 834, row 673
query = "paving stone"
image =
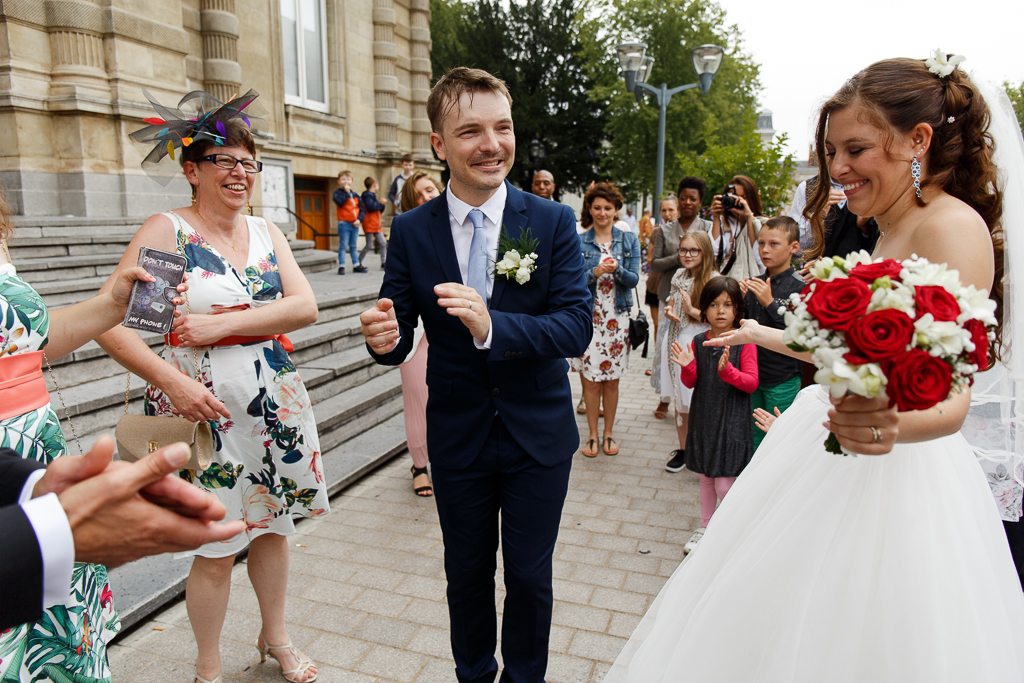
column 392, row 664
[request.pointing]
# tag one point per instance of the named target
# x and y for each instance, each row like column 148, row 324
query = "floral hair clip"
column 199, row 117
column 951, row 119
column 942, row 64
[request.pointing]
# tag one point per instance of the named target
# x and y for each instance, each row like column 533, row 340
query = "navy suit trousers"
column 529, row 496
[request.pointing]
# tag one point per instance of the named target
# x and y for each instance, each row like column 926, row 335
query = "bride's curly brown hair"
column 898, row 94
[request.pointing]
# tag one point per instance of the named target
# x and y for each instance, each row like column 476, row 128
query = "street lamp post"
column 636, row 69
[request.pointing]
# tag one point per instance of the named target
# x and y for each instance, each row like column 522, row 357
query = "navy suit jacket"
column 21, row 572
column 534, row 328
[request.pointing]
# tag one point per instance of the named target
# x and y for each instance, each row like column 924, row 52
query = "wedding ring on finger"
column 876, row 435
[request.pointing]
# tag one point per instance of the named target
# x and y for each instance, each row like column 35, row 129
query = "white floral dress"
column 69, row 642
column 267, row 467
column 682, row 332
column 607, row 357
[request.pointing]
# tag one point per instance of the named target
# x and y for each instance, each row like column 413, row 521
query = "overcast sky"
column 808, row 48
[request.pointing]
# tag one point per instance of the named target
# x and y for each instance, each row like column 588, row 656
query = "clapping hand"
column 762, row 289
column 681, row 355
column 723, row 362
column 379, row 327
column 835, row 196
column 464, row 303
column 119, row 512
column 764, row 420
column 670, row 312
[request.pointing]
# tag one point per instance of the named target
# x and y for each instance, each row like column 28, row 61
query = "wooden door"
column 312, row 208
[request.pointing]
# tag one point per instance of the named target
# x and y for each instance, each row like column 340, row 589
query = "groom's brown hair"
column 446, row 93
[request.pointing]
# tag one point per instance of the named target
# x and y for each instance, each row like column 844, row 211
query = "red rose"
column 917, row 380
column 869, row 272
column 838, row 303
column 880, row 335
column 979, row 335
column 937, row 301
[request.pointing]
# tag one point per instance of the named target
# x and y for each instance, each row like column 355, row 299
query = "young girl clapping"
column 684, row 323
column 720, row 441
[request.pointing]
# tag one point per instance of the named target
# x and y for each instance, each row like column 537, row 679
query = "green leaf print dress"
column 69, row 643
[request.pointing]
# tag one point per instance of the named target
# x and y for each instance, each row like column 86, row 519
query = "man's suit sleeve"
column 21, row 572
column 564, row 331
column 397, row 286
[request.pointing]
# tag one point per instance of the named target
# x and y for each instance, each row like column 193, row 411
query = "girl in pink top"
column 720, row 440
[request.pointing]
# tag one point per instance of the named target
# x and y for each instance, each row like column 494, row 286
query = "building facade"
column 345, row 83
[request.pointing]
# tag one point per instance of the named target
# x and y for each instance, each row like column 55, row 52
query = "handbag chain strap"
column 195, row 355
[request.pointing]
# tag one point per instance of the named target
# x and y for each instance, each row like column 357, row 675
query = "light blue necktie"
column 478, row 254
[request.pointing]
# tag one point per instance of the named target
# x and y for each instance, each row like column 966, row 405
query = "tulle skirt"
column 823, row 568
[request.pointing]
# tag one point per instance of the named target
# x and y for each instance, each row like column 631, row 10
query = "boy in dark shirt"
column 778, row 374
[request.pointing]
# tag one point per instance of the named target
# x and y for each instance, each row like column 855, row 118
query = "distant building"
column 345, row 83
column 764, row 126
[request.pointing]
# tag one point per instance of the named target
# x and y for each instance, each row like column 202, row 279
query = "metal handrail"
column 315, row 232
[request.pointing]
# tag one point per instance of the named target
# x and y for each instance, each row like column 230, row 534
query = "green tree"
column 1016, row 94
column 538, row 47
column 671, row 28
column 765, row 164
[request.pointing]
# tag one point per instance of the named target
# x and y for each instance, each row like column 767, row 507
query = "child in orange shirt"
column 372, row 208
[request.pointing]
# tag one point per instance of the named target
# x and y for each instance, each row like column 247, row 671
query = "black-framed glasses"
column 229, row 162
column 689, row 252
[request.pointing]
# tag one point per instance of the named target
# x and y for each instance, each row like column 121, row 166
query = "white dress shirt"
column 462, row 234
column 56, row 543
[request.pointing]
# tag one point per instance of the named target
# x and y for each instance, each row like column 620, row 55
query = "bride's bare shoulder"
column 953, row 233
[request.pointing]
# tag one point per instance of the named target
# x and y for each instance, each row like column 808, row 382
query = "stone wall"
column 74, row 72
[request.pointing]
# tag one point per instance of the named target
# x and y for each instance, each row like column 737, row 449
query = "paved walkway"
column 367, row 588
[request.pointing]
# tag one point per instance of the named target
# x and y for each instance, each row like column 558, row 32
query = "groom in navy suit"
column 501, row 430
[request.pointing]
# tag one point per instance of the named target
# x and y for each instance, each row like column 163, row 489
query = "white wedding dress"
column 821, row 568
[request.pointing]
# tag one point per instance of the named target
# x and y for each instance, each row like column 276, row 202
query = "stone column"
column 76, row 50
column 385, row 82
column 419, row 67
column 222, row 75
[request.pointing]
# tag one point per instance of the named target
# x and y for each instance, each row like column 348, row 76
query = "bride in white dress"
column 886, row 567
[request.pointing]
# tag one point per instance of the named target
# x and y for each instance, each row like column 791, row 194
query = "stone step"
column 72, row 284
column 44, row 247
column 141, row 588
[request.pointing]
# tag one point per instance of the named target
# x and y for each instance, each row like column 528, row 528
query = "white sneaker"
column 694, row 540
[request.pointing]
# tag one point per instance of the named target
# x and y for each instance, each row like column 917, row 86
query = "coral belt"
column 22, row 387
column 173, row 339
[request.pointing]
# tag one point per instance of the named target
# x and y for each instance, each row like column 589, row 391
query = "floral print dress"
column 266, row 466
column 607, row 357
column 69, row 642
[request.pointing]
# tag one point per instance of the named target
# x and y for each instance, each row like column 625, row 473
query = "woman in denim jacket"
column 612, row 261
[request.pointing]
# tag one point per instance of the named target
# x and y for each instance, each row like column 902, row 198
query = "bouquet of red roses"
column 910, row 331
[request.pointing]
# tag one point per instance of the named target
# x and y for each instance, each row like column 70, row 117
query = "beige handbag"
column 139, row 435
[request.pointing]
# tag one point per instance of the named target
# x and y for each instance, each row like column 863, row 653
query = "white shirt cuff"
column 30, row 483
column 56, row 545
column 485, row 344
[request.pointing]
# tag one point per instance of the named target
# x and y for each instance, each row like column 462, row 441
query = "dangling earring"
column 250, row 206
column 193, row 199
column 915, row 173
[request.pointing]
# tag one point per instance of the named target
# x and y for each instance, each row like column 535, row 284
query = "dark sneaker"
column 677, row 463
column 341, row 271
column 360, row 269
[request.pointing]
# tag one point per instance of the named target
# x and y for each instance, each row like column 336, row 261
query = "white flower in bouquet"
column 939, row 338
column 841, row 377
column 975, row 303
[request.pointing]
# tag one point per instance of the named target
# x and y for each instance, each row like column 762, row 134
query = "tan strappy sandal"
column 291, row 675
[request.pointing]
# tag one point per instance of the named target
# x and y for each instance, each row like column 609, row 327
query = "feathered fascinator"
column 199, row 117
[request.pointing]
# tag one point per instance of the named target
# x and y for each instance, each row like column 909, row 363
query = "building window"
column 304, row 41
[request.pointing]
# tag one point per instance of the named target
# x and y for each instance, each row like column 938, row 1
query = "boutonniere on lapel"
column 518, row 257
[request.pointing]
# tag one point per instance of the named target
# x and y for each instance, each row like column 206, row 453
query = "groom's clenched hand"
column 464, row 302
column 380, row 327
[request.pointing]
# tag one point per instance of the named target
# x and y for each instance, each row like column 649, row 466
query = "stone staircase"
column 357, row 403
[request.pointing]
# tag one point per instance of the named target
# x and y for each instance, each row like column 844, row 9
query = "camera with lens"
column 729, row 200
